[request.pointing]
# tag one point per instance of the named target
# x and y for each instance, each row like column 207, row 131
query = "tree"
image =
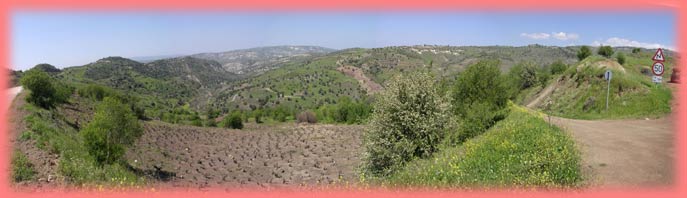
column 584, row 53
column 113, row 127
column 258, row 116
column 210, row 123
column 409, row 120
column 43, row 92
column 558, row 67
column 523, row 75
column 621, row 58
column 636, row 50
column 481, row 82
column 606, row 51
column 479, row 96
column 233, row 121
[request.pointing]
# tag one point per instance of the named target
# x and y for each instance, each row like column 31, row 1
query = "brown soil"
column 368, row 84
column 283, row 155
column 44, row 163
column 608, row 64
column 544, row 93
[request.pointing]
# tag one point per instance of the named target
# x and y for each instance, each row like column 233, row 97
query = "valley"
column 303, row 116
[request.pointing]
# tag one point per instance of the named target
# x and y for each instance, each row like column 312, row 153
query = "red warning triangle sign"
column 659, row 55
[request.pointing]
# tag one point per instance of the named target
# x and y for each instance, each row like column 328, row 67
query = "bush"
column 96, row 92
column 584, row 53
column 409, row 120
column 113, row 127
column 482, row 82
column 257, row 114
column 543, row 76
column 479, row 98
column 196, row 122
column 281, row 113
column 22, row 169
column 345, row 111
column 606, row 51
column 524, row 75
column 43, row 92
column 306, row 116
column 210, row 123
column 636, row 50
column 558, row 67
column 621, row 58
column 233, row 121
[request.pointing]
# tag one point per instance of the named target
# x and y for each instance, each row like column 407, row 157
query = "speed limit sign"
column 657, row 68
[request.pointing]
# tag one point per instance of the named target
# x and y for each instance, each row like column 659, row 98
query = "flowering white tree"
column 409, row 120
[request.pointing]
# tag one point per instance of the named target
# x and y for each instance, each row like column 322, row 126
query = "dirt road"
column 622, row 153
column 12, row 92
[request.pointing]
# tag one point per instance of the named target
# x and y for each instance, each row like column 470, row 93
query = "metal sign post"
column 658, row 70
column 658, row 67
column 608, row 75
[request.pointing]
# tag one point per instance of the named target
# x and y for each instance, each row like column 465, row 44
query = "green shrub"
column 636, row 50
column 281, row 113
column 479, row 97
column 196, row 122
column 233, row 121
column 606, row 51
column 558, row 67
column 257, row 114
column 113, row 127
column 345, row 111
column 543, row 76
column 523, row 75
column 409, row 120
column 96, row 92
column 43, row 92
column 584, row 53
column 22, row 169
column 210, row 123
column 621, row 58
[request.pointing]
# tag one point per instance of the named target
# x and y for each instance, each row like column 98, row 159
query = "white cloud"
column 556, row 35
column 618, row 42
column 565, row 36
column 536, row 36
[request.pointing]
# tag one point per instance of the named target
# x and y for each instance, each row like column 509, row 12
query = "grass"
column 22, row 169
column 520, row 151
column 53, row 134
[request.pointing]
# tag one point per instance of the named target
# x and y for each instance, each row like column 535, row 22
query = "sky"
column 68, row 39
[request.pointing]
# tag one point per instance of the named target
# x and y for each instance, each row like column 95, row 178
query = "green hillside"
column 162, row 87
column 580, row 92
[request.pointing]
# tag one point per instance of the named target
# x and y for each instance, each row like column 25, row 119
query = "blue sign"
column 608, row 75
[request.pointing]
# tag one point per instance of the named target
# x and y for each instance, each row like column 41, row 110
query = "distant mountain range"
column 261, row 59
column 300, row 77
column 147, row 59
